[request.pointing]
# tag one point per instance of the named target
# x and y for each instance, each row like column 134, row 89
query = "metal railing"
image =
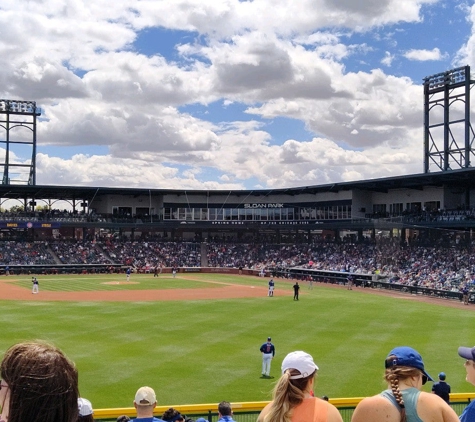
column 248, row 411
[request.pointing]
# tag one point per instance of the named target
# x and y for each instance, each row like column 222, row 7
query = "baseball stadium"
column 380, row 263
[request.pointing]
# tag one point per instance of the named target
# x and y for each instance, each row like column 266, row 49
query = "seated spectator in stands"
column 145, row 401
column 403, row 400
column 225, row 412
column 85, row 410
column 39, row 384
column 293, row 399
column 468, row 353
column 172, row 415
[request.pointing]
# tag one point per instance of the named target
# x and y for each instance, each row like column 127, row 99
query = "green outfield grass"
column 205, row 351
column 82, row 283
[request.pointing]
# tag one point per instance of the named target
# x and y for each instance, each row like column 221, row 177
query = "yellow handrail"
column 252, row 406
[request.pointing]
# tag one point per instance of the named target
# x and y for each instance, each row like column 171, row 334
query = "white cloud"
column 388, row 59
column 85, row 170
column 424, row 55
column 269, row 58
column 466, row 53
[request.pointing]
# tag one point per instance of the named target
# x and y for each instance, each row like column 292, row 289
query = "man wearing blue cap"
column 441, row 388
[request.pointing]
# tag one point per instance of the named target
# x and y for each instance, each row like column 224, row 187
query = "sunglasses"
column 424, row 379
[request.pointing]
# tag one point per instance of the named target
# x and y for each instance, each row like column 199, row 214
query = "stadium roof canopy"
column 460, row 179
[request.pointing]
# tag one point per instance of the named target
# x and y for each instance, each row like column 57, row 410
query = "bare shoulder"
column 264, row 412
column 333, row 413
column 375, row 409
column 432, row 407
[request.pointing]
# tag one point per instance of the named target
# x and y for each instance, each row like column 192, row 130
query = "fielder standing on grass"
column 296, row 290
column 268, row 353
column 271, row 288
column 35, row 288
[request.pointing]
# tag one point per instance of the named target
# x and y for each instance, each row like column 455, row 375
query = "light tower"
column 15, row 114
column 448, row 133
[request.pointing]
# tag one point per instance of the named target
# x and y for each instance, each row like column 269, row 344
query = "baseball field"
column 195, row 338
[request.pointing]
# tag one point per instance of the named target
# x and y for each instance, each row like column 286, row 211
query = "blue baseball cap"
column 406, row 356
column 442, row 376
column 467, row 352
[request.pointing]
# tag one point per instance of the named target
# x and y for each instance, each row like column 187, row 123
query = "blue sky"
column 227, row 94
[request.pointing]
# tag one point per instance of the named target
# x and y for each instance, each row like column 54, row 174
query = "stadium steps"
column 53, row 254
column 104, row 253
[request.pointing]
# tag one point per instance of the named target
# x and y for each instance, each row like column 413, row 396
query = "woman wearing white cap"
column 85, row 410
column 293, row 399
column 403, row 400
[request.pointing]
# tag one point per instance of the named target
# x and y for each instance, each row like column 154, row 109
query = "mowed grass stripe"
column 207, row 351
column 111, row 282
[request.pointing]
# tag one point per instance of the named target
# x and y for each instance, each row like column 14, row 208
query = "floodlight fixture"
column 450, row 77
column 19, row 107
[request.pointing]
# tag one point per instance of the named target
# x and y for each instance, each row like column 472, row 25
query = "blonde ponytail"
column 288, row 393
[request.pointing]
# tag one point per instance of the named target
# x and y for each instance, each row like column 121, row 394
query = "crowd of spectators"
column 24, row 253
column 448, row 267
column 78, row 253
column 146, row 255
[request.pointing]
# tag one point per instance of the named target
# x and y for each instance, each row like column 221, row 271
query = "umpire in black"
column 441, row 388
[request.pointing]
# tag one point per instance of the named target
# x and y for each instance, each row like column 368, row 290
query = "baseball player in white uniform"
column 35, row 288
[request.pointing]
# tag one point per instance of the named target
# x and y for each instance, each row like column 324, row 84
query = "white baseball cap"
column 85, row 407
column 300, row 361
column 145, row 396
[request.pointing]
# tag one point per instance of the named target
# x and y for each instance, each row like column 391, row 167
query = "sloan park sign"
column 264, row 205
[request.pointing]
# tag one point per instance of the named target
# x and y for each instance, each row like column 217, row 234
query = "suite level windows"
column 334, row 212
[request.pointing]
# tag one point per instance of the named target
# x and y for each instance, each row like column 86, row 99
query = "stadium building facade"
column 428, row 204
column 396, row 206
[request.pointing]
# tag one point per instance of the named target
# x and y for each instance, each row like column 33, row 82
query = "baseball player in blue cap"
column 268, row 353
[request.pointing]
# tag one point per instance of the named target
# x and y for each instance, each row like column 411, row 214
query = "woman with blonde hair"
column 293, row 399
column 404, row 401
